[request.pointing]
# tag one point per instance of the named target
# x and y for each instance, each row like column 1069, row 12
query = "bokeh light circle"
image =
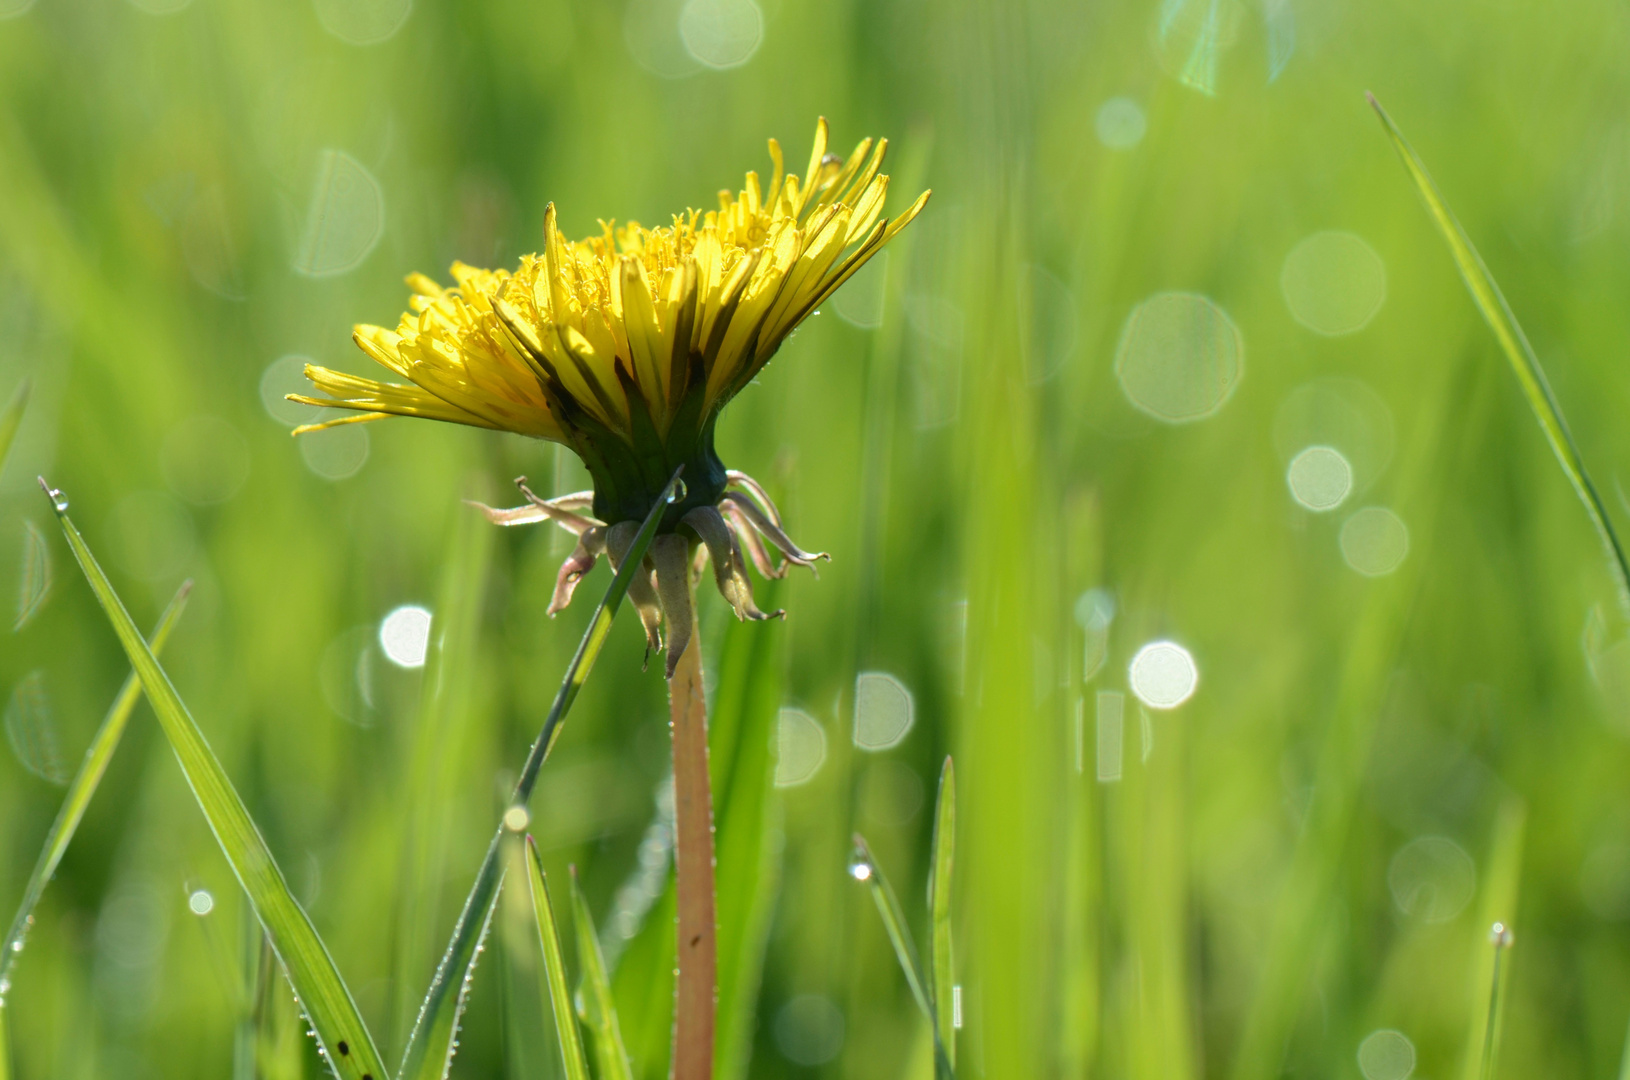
column 1180, row 357
column 1319, row 478
column 404, row 635
column 1333, row 283
column 1163, row 675
column 1374, row 541
column 1386, row 1055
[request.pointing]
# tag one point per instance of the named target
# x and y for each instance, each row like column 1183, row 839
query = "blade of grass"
column 80, row 791
column 554, row 966
column 430, row 1046
column 323, row 995
column 1499, row 910
column 597, row 1008
column 5, row 1046
column 1514, row 343
column 939, row 906
column 864, row 868
column 12, row 418
column 444, row 720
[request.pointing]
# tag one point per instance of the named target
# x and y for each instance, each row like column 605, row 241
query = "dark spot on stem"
column 695, row 941
column 345, row 1048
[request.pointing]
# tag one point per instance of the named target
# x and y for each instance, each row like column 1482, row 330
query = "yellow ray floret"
column 649, row 319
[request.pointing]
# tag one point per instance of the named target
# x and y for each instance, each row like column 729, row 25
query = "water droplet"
column 59, row 499
column 860, row 866
column 516, row 819
column 1500, row 936
column 1180, row 357
column 678, row 492
column 201, row 902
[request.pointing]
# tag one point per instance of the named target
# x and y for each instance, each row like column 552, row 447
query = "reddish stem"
column 695, row 994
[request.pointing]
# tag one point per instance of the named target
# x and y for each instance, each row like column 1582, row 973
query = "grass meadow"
column 1174, row 358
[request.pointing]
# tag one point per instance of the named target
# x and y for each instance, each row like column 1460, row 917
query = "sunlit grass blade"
column 430, row 1045
column 747, row 808
column 939, row 907
column 554, row 966
column 864, row 868
column 323, row 995
column 12, row 418
column 597, row 1007
column 1497, row 910
column 446, row 712
column 1514, row 343
column 80, row 791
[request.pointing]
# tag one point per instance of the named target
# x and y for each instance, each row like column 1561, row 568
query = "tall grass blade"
column 864, row 868
column 1514, row 343
column 322, row 993
column 12, row 418
column 80, row 791
column 1498, row 910
column 430, row 1046
column 595, row 1004
column 444, row 719
column 747, row 809
column 939, row 907
column 554, row 967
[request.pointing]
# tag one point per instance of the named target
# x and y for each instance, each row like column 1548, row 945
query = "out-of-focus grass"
column 1246, row 899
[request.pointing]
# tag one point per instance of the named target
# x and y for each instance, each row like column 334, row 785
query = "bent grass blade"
column 598, row 1009
column 554, row 966
column 430, row 1046
column 939, row 908
column 1491, row 302
column 80, row 791
column 864, row 868
column 337, row 1025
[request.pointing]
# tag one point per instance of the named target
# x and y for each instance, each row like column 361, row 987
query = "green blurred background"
column 1169, row 250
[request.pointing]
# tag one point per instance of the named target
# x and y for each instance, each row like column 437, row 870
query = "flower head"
column 625, row 346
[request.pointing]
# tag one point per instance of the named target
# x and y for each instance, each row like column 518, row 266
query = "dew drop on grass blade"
column 430, row 1045
column 864, row 869
column 595, row 1004
column 324, row 998
column 84, row 785
column 34, row 576
column 554, row 966
column 939, row 907
column 1491, row 302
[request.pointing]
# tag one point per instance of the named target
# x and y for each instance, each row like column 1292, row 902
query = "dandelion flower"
column 625, row 347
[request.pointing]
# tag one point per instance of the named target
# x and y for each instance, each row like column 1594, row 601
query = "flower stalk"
column 696, row 988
